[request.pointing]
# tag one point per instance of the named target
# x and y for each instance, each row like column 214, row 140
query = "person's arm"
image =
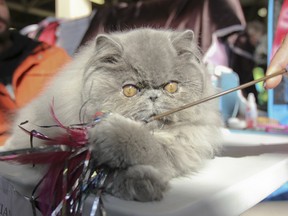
column 278, row 62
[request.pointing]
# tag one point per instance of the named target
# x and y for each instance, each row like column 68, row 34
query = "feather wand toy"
column 72, row 173
column 245, row 85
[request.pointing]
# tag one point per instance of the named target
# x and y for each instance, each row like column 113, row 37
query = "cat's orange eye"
column 171, row 87
column 130, row 90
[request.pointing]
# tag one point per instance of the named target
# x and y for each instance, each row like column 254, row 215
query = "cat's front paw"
column 116, row 141
column 140, row 183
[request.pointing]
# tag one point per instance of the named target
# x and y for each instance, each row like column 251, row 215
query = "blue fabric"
column 280, row 194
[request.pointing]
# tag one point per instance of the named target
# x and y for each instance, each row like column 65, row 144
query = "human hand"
column 278, row 62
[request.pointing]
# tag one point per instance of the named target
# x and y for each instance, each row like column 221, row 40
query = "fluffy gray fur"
column 146, row 156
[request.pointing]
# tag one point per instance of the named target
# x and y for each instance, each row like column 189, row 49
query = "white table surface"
column 249, row 137
column 224, row 187
column 239, row 143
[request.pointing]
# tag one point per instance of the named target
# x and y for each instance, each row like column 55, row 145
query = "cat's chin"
column 158, row 124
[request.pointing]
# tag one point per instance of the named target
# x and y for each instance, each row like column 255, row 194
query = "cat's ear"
column 108, row 47
column 182, row 41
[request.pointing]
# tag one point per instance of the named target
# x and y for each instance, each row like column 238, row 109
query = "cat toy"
column 73, row 174
column 243, row 86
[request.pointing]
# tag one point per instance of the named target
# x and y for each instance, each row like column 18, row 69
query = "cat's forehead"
column 145, row 40
column 146, row 55
column 150, row 53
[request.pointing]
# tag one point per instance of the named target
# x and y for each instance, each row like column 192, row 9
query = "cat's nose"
column 153, row 98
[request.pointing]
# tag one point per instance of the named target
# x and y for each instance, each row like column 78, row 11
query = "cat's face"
column 143, row 73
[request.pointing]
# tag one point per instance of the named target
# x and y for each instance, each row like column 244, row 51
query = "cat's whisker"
column 81, row 113
column 83, row 105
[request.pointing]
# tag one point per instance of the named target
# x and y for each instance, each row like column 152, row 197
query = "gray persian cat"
column 135, row 75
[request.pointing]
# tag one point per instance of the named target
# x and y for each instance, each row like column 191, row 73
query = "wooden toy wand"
column 283, row 71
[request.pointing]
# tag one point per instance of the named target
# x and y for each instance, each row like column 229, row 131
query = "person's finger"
column 278, row 62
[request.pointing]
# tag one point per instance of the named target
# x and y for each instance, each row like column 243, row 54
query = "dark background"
column 26, row 12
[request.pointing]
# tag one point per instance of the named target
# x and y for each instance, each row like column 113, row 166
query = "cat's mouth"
column 157, row 122
column 149, row 118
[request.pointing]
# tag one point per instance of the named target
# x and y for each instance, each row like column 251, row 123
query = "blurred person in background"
column 242, row 54
column 26, row 66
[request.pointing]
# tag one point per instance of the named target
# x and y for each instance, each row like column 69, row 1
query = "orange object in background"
column 29, row 79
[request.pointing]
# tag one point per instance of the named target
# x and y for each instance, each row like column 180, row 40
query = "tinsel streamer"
column 72, row 173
